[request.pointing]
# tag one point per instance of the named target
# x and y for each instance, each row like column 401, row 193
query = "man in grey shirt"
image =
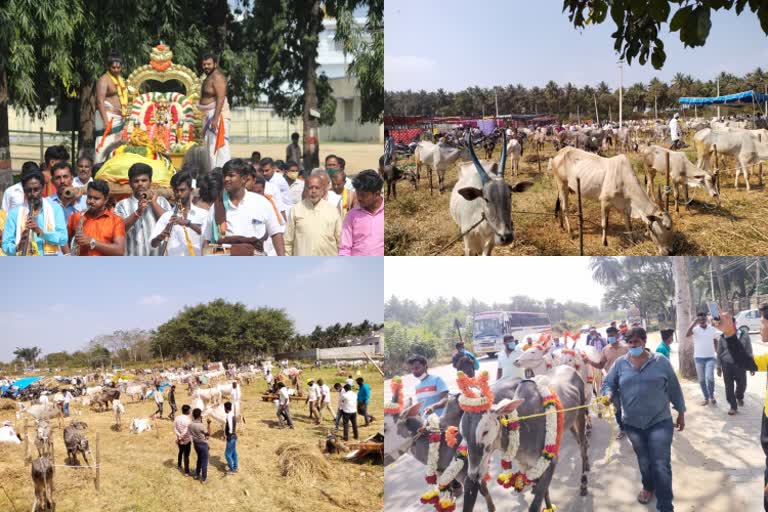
column 293, row 150
column 141, row 211
column 200, row 441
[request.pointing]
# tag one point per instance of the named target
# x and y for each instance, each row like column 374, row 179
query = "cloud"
column 153, row 300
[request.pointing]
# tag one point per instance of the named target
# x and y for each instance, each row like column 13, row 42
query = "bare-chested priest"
column 216, row 113
column 112, row 103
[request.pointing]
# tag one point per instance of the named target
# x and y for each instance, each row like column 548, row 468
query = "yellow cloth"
column 762, row 366
column 313, row 230
column 115, row 170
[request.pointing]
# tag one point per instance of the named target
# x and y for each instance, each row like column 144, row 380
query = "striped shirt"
column 139, row 235
column 428, row 392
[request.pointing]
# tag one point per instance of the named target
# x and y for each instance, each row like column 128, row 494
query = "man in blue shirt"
column 62, row 179
column 431, row 391
column 363, row 397
column 46, row 227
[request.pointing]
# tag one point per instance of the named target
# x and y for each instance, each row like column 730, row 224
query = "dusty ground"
column 717, row 463
column 358, row 156
column 418, row 223
column 139, row 472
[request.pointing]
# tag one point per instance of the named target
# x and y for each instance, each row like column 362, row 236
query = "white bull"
column 515, row 152
column 208, row 395
column 439, row 157
column 614, row 184
column 139, row 425
column 681, row 171
column 493, row 213
column 739, row 144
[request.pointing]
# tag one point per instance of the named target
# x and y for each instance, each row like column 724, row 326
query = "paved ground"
column 717, row 462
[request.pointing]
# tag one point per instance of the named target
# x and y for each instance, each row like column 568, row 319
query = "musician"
column 42, row 229
column 215, row 108
column 141, row 211
column 182, row 226
column 246, row 214
column 99, row 231
column 63, row 180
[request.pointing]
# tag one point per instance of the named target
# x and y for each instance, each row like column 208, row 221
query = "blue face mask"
column 636, row 351
column 611, row 339
column 511, row 345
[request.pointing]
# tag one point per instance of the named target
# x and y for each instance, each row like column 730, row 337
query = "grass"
column 418, row 223
column 138, row 472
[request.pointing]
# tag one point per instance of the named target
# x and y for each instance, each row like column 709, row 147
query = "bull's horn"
column 503, row 160
column 484, row 178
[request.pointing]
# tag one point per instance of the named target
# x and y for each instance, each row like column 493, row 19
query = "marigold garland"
column 396, row 406
column 555, row 423
column 451, row 434
column 476, row 395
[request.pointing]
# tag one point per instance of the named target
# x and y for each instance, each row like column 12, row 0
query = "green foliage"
column 638, row 23
column 28, row 354
column 565, row 101
column 333, row 335
column 223, row 330
column 403, row 342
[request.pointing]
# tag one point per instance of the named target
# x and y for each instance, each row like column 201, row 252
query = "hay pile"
column 302, row 462
column 6, row 404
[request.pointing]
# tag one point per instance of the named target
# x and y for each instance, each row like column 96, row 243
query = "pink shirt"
column 181, row 428
column 363, row 233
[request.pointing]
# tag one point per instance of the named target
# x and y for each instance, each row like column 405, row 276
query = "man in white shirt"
column 704, row 355
column 67, row 400
column 84, row 169
column 325, row 400
column 674, row 131
column 507, row 358
column 313, row 396
column 349, row 411
column 158, row 395
column 247, row 214
column 276, row 179
column 235, row 398
column 284, row 405
column 183, row 439
column 296, row 189
column 14, row 195
column 182, row 226
column 44, row 401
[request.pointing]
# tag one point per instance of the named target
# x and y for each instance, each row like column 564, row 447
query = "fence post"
column 97, row 477
column 538, row 160
column 717, row 172
column 42, row 143
column 74, row 149
column 267, row 130
column 581, row 218
column 248, row 130
column 668, row 190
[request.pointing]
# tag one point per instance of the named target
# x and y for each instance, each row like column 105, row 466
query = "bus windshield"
column 487, row 327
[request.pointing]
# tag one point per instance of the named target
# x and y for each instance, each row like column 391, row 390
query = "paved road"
column 717, row 461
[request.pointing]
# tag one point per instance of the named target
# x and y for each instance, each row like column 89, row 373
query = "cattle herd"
column 580, row 160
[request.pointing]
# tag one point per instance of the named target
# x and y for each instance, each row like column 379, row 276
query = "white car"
column 749, row 318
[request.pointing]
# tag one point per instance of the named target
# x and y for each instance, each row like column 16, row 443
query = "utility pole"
column 656, row 106
column 496, row 97
column 718, row 93
column 621, row 91
column 597, row 114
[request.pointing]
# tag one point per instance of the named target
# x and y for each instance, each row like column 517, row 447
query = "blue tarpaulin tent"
column 20, row 384
column 741, row 97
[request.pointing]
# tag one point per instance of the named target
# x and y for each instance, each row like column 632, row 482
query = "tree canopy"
column 638, row 23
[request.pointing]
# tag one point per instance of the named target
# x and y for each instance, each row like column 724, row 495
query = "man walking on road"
column 610, row 354
column 704, row 350
column 507, row 358
column 733, row 376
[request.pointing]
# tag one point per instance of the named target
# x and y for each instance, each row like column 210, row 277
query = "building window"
column 349, row 110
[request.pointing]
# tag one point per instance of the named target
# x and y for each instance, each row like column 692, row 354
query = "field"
column 359, row 156
column 418, row 223
column 138, row 472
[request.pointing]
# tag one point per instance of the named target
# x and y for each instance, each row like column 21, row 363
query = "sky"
column 562, row 278
column 453, row 44
column 62, row 303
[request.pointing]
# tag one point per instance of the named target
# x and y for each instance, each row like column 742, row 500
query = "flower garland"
column 433, row 455
column 446, row 503
column 396, row 406
column 555, row 421
column 476, row 395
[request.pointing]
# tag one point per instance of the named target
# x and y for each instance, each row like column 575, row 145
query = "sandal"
column 644, row 497
column 620, row 435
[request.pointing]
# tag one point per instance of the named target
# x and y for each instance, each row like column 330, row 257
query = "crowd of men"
column 258, row 206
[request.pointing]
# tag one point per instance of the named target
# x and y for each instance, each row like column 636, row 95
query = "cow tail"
column 557, row 206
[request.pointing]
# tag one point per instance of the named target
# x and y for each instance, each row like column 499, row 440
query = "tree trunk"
column 718, row 270
column 684, row 313
column 311, row 123
column 87, row 138
column 218, row 12
column 6, row 175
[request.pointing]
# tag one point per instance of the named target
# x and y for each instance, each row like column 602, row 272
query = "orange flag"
column 219, row 135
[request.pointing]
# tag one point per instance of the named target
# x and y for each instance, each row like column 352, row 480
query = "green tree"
column 638, row 23
column 223, row 330
column 28, row 354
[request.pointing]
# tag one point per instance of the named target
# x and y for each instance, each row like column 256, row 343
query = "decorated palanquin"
column 161, row 126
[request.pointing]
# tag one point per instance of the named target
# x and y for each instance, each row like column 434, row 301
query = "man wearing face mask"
column 614, row 350
column 647, row 384
column 462, row 352
column 431, row 390
column 507, row 358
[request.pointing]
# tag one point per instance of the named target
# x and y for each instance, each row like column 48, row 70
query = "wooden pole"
column 667, row 191
column 374, row 363
column 97, row 476
column 717, row 172
column 581, row 218
column 538, row 160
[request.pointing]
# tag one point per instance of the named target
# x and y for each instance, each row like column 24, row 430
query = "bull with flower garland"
column 496, row 418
